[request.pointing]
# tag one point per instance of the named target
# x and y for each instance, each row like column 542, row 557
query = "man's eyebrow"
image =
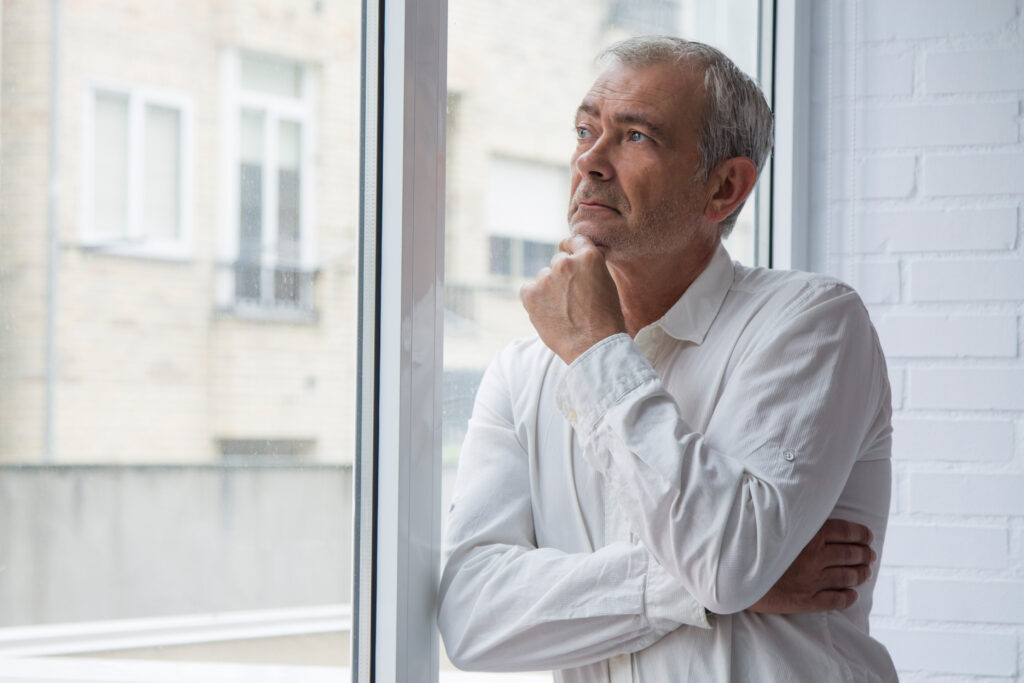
column 587, row 109
column 624, row 117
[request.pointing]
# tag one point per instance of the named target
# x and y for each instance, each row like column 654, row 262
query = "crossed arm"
column 507, row 604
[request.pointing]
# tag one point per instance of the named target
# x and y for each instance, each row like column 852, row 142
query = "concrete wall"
column 109, row 542
column 918, row 168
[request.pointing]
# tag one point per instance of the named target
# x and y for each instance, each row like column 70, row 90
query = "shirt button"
column 572, row 416
column 788, row 455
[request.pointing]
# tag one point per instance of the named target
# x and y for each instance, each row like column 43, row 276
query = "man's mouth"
column 590, row 204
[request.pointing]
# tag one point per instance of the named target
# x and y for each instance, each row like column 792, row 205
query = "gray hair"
column 737, row 120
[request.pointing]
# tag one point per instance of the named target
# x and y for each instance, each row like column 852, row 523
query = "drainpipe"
column 49, row 452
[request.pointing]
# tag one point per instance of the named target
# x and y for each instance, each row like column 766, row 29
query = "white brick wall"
column 916, row 197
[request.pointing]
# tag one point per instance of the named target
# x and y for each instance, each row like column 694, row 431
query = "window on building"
column 644, row 16
column 525, row 213
column 136, row 172
column 272, row 260
column 519, row 258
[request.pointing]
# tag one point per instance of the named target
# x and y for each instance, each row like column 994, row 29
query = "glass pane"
column 288, row 184
column 265, row 74
column 110, row 165
column 510, row 138
column 175, row 456
column 163, row 173
column 250, row 207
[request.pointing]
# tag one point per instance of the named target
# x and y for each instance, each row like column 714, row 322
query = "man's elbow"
column 729, row 594
column 467, row 653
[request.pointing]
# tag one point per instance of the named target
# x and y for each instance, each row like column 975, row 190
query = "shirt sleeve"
column 727, row 511
column 506, row 604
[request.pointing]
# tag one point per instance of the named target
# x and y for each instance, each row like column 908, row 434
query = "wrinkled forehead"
column 669, row 90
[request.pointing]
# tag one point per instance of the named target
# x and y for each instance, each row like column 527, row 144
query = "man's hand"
column 824, row 573
column 574, row 304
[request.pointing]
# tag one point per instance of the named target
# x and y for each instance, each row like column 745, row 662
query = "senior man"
column 644, row 489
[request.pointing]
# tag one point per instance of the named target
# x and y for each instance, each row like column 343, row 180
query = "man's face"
column 635, row 193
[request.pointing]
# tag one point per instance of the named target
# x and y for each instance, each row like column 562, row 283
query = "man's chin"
column 584, row 229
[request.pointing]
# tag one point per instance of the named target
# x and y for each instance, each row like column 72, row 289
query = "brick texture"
column 917, row 189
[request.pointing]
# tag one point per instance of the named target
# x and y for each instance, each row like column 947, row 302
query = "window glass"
column 178, row 338
column 516, row 73
column 110, row 201
column 266, row 74
column 163, row 173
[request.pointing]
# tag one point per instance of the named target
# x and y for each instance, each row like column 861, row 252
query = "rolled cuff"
column 667, row 602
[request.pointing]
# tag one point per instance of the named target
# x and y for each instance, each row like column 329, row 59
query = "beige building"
column 204, row 254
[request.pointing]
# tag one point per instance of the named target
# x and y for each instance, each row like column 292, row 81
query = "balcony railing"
column 256, row 287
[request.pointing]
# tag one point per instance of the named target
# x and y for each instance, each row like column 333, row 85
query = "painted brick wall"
column 918, row 167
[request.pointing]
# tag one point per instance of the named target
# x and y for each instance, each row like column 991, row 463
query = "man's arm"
column 729, row 510
column 507, row 605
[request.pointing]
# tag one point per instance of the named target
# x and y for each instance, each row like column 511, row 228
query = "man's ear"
column 729, row 184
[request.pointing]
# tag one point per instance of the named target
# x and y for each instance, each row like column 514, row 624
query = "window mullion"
column 790, row 90
column 408, row 402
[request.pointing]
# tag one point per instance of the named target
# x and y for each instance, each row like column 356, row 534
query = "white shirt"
column 600, row 507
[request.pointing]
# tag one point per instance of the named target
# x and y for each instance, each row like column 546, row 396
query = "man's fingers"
column 831, row 600
column 837, row 578
column 558, row 257
column 841, row 531
column 846, row 554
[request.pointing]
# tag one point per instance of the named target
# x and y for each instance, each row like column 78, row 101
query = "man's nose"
column 594, row 162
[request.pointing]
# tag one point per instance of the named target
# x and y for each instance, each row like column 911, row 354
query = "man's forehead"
column 662, row 87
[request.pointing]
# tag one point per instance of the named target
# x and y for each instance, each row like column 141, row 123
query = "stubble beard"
column 646, row 232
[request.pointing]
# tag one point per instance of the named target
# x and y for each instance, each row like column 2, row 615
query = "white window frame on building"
column 136, row 237
column 260, row 280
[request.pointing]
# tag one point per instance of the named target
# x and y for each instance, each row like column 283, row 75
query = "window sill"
column 174, row 253
column 266, row 314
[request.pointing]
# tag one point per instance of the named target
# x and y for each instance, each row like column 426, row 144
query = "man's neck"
column 648, row 290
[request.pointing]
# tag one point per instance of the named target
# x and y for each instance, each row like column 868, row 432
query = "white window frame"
column 275, row 108
column 398, row 468
column 136, row 242
column 790, row 169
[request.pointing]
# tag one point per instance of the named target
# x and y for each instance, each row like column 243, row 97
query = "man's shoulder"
column 773, row 281
column 791, row 289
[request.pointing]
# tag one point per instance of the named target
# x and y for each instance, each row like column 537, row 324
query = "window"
column 519, row 258
column 136, row 172
column 271, row 242
column 178, row 484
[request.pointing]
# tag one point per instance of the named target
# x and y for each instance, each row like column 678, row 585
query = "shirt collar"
column 691, row 316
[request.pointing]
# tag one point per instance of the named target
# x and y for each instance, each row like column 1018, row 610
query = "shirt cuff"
column 600, row 378
column 667, row 603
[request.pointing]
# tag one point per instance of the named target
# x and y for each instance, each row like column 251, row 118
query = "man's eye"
column 637, row 136
column 583, row 133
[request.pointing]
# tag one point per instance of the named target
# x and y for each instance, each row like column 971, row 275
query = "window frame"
column 136, row 242
column 275, row 109
column 789, row 71
column 401, row 306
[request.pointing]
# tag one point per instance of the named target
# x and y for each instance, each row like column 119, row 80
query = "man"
column 641, row 489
